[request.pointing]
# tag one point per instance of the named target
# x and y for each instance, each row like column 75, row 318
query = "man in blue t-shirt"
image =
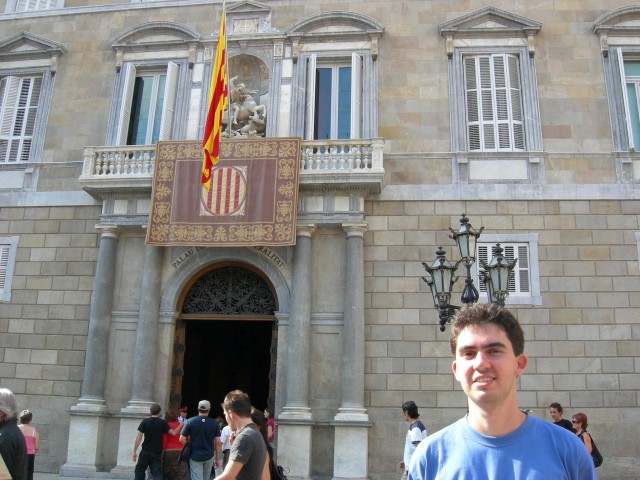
column 496, row 439
column 415, row 434
column 204, row 434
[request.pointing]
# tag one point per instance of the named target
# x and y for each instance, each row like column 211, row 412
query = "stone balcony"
column 331, row 164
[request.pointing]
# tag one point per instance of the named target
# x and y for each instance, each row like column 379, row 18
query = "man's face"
column 231, row 420
column 554, row 414
column 183, row 414
column 486, row 366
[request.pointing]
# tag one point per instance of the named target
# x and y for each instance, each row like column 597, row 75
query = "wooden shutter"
column 19, row 97
column 520, row 281
column 494, row 103
column 4, row 266
column 356, row 95
column 127, row 99
column 169, row 102
column 310, row 104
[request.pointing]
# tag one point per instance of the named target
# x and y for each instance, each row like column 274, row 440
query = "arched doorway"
column 225, row 338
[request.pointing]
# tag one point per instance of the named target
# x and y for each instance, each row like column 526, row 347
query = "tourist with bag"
column 580, row 423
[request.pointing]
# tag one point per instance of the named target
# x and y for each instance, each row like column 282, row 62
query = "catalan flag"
column 217, row 106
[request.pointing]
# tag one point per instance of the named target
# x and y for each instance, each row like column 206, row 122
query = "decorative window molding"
column 8, row 248
column 28, row 64
column 331, row 41
column 525, row 287
column 619, row 32
column 496, row 132
column 20, row 6
column 162, row 53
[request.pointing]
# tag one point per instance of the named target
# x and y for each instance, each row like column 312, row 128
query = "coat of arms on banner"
column 252, row 199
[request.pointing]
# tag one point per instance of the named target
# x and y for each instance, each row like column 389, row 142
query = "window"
column 494, row 103
column 8, row 247
column 20, row 6
column 335, row 72
column 524, row 284
column 19, row 97
column 496, row 134
column 334, row 93
column 148, row 104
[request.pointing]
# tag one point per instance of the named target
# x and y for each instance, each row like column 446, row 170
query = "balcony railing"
column 129, row 167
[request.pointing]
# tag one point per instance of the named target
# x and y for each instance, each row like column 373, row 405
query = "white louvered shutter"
column 169, row 102
column 310, row 103
column 19, row 97
column 356, row 95
column 494, row 103
column 127, row 99
column 520, row 281
column 4, row 265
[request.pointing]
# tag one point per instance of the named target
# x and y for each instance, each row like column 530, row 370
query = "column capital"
column 355, row 229
column 112, row 231
column 305, row 229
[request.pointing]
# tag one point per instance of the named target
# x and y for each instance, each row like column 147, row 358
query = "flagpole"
column 226, row 66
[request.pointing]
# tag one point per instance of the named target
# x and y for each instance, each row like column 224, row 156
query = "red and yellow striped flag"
column 217, row 105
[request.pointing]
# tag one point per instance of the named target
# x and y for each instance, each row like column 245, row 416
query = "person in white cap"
column 204, row 434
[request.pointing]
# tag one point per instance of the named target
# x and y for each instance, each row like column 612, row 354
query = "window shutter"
column 494, row 103
column 472, row 97
column 625, row 98
column 20, row 97
column 127, row 98
column 520, row 282
column 516, row 101
column 4, row 265
column 169, row 102
column 310, row 97
column 356, row 95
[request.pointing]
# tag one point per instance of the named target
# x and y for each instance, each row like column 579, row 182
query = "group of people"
column 245, row 443
column 19, row 443
column 495, row 439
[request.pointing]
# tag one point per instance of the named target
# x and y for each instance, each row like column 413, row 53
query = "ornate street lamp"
column 467, row 238
column 495, row 275
column 499, row 270
column 441, row 283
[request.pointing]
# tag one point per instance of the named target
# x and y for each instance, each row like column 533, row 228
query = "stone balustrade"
column 137, row 161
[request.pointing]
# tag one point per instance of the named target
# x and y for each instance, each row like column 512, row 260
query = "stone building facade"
column 523, row 115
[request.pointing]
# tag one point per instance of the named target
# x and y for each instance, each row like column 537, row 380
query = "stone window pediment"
column 29, row 49
column 336, row 24
column 618, row 27
column 488, row 24
column 248, row 18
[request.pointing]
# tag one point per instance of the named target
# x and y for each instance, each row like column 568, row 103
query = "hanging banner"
column 252, row 199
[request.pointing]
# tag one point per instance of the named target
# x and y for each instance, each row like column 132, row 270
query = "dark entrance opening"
column 225, row 339
column 225, row 355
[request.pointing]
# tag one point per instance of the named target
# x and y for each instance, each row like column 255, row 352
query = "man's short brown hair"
column 480, row 314
column 238, row 402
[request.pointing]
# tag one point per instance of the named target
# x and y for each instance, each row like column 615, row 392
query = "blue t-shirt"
column 416, row 433
column 537, row 450
column 202, row 444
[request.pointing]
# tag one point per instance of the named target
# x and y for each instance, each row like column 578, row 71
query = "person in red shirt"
column 171, row 447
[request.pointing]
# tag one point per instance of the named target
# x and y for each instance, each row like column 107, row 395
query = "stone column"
column 88, row 418
column 352, row 422
column 146, row 352
column 296, row 420
column 146, row 356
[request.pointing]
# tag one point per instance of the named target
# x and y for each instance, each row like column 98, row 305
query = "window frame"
column 335, row 63
column 172, row 124
column 528, row 93
column 534, row 296
column 13, row 6
column 8, row 251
